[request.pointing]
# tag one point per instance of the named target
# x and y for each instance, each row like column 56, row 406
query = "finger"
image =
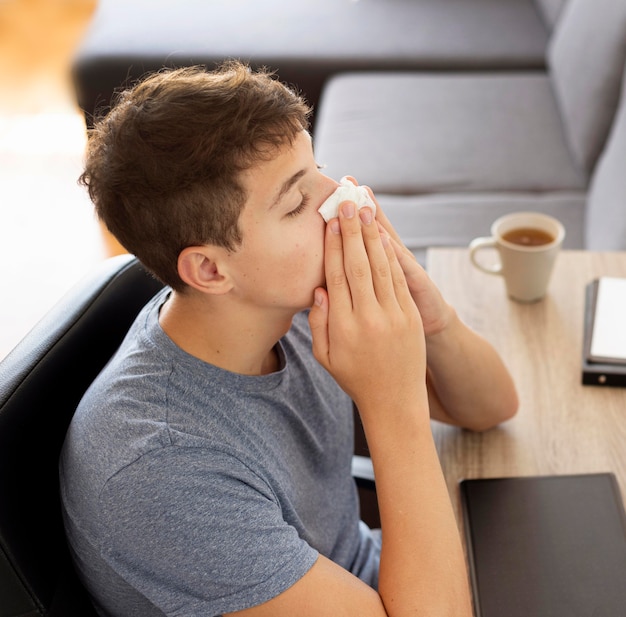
column 337, row 285
column 398, row 277
column 379, row 262
column 413, row 271
column 318, row 322
column 381, row 217
column 388, row 262
column 392, row 234
column 355, row 258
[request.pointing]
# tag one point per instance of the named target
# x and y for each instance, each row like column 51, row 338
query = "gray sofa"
column 454, row 111
column 307, row 41
column 605, row 214
column 447, row 153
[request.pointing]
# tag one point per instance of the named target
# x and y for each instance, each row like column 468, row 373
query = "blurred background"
column 49, row 237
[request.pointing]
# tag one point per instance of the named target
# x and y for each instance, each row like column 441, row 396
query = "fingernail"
column 334, row 226
column 348, row 209
column 318, row 298
column 365, row 214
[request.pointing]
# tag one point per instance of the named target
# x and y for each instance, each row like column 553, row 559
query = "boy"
column 207, row 469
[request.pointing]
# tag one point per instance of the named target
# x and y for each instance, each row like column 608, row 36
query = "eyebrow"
column 284, row 189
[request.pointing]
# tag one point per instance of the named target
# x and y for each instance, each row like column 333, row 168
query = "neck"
column 238, row 339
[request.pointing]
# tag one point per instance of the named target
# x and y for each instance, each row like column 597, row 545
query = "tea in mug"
column 528, row 236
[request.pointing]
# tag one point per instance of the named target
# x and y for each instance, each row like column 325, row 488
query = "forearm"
column 469, row 385
column 422, row 567
column 368, row 333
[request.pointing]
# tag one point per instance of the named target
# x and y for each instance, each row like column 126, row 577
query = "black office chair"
column 41, row 382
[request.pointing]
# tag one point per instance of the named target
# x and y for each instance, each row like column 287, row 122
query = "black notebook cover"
column 546, row 546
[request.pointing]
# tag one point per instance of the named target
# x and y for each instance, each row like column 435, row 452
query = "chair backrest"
column 586, row 57
column 41, row 382
column 605, row 225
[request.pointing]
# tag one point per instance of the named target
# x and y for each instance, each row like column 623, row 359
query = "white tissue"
column 346, row 191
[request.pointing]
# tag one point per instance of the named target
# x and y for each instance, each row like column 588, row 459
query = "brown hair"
column 162, row 167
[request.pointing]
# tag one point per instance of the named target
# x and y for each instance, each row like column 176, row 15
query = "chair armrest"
column 363, row 472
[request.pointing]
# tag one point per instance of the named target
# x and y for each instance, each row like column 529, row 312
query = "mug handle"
column 482, row 243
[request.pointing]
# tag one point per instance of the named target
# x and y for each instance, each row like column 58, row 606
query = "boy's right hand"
column 367, row 331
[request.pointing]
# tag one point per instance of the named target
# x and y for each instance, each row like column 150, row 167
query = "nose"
column 329, row 187
column 326, row 189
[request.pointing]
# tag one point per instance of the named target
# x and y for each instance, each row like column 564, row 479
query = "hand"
column 367, row 331
column 469, row 385
column 436, row 313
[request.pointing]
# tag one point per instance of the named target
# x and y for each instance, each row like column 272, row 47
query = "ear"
column 198, row 267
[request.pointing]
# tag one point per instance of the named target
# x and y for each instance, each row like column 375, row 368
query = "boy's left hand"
column 435, row 311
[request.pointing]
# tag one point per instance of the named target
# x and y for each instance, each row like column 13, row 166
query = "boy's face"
column 281, row 259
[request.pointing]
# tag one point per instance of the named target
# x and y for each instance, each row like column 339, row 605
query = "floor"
column 49, row 237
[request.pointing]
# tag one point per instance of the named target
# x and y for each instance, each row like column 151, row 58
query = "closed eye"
column 301, row 206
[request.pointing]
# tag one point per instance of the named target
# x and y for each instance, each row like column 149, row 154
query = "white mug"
column 527, row 244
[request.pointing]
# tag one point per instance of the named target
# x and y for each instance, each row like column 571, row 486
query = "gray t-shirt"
column 190, row 490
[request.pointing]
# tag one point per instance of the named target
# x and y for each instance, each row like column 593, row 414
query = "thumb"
column 318, row 322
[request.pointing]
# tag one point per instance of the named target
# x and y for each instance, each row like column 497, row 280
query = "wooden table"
column 562, row 427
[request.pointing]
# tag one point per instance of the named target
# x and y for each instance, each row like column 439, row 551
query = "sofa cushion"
column 305, row 40
column 423, row 221
column 414, row 33
column 550, row 10
column 405, row 133
column 586, row 57
column 606, row 206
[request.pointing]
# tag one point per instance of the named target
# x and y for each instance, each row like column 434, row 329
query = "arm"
column 469, row 385
column 368, row 333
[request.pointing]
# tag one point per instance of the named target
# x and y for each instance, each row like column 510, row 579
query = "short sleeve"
column 197, row 532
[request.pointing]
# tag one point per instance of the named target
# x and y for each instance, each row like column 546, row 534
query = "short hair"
column 163, row 166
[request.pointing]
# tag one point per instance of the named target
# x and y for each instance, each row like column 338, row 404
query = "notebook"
column 604, row 346
column 546, row 546
column 608, row 336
